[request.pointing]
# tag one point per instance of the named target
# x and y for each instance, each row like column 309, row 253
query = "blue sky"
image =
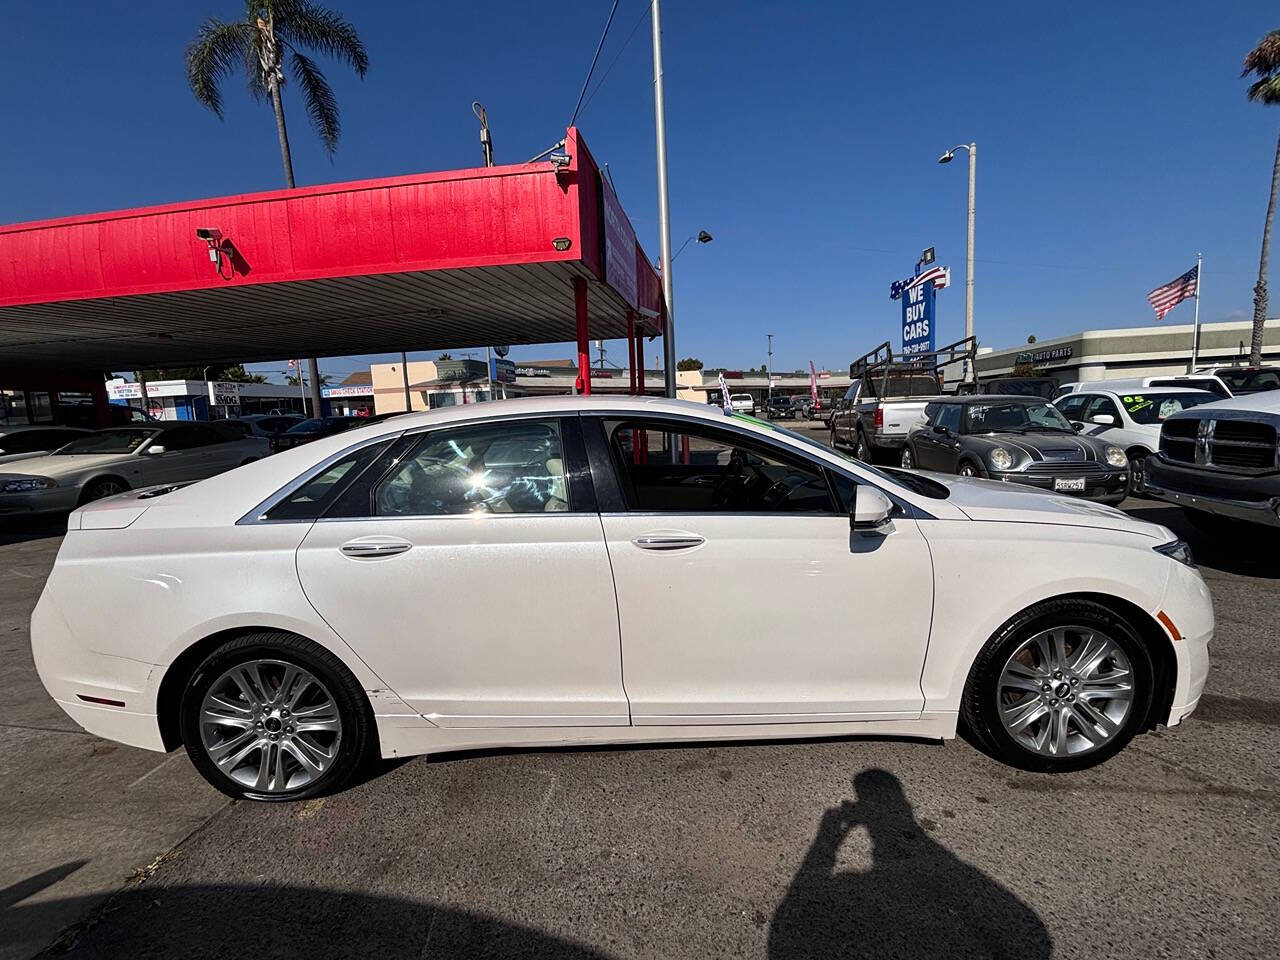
column 1114, row 142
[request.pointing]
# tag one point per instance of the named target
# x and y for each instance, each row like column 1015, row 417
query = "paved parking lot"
column 856, row 848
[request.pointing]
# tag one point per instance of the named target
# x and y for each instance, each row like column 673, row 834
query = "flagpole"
column 1195, row 324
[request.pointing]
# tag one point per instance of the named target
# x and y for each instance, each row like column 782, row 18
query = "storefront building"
column 190, row 399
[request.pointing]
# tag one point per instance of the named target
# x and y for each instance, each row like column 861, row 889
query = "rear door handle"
column 668, row 541
column 373, row 549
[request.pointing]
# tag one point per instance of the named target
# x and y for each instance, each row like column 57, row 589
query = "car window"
column 307, row 426
column 697, row 469
column 237, row 427
column 312, row 498
column 189, row 438
column 1154, row 407
column 121, row 440
column 511, row 467
column 1101, row 405
column 1072, row 406
column 25, row 441
column 948, row 416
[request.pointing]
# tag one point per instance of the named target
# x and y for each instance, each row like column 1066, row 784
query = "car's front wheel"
column 102, row 488
column 272, row 716
column 907, row 461
column 1062, row 686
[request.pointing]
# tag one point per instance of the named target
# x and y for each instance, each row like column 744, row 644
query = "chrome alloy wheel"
column 1065, row 692
column 270, row 726
column 907, row 462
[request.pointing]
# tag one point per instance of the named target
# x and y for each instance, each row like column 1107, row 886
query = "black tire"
column 907, row 459
column 1137, row 460
column 248, row 460
column 358, row 736
column 862, row 450
column 979, row 708
column 976, row 469
column 103, row 487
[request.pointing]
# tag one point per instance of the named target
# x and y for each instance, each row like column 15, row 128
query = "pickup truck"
column 742, row 403
column 887, row 397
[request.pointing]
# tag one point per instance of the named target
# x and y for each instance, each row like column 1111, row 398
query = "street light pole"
column 768, row 368
column 972, row 148
column 664, row 211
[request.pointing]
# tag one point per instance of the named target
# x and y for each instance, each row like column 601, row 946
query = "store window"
column 13, row 408
column 41, row 407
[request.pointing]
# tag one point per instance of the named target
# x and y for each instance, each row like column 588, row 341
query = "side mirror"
column 940, row 430
column 1103, row 419
column 871, row 509
column 1077, row 426
column 155, row 448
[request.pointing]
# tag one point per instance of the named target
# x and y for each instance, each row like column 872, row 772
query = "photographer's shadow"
column 917, row 900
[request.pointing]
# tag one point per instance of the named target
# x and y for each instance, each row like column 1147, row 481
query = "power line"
column 594, row 60
column 618, row 56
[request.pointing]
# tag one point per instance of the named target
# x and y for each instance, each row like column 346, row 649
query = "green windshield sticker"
column 747, row 418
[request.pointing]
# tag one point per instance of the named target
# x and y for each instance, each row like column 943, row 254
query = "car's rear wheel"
column 1062, row 686
column 1137, row 479
column 271, row 716
column 103, row 487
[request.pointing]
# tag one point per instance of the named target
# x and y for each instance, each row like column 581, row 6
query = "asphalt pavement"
column 850, row 848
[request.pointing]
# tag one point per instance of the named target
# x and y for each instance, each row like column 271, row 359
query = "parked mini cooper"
column 1017, row 439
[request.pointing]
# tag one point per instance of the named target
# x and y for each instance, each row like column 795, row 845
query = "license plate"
column 1069, row 484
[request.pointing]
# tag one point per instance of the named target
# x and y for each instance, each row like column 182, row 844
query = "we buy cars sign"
column 619, row 247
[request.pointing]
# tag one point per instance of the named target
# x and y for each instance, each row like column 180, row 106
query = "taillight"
column 879, row 418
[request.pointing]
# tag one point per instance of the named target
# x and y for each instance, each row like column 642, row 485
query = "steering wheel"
column 732, row 481
column 776, row 494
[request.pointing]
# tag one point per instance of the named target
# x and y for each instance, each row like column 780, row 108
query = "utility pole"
column 664, row 211
column 313, row 370
column 947, row 157
column 768, row 370
column 404, row 373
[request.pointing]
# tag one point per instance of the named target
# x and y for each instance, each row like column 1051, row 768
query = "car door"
column 468, row 568
column 1072, row 406
column 1102, row 405
column 940, row 443
column 743, row 596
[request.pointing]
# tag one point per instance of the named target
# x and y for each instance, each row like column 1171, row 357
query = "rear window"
column 1151, row 408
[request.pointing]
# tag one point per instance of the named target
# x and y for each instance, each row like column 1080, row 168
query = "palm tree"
column 1263, row 62
column 258, row 45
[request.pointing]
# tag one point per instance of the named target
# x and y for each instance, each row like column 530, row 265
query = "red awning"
column 428, row 261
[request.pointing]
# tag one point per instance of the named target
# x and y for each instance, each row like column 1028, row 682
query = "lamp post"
column 968, row 256
column 664, row 212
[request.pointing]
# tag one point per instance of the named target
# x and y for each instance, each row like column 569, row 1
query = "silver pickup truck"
column 887, row 397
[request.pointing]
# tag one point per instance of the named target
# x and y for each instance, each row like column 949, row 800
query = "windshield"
column 307, row 426
column 108, row 441
column 1016, row 418
column 1149, row 408
column 1250, row 381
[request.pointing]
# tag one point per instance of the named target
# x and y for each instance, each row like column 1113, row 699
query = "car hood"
column 1014, row 503
column 62, row 466
column 1035, row 447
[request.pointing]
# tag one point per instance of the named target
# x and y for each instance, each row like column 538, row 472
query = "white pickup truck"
column 875, row 427
column 742, row 403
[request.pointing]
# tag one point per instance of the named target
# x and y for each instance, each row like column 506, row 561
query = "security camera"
column 559, row 159
column 210, row 234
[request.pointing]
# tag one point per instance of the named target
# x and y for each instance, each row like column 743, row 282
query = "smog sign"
column 224, row 394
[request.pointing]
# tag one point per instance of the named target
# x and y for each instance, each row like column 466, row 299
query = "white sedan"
column 606, row 570
column 102, row 463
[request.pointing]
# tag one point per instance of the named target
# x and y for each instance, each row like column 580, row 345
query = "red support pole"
column 584, row 345
column 640, row 363
column 631, row 348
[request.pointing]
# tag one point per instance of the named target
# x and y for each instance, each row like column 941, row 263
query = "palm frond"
column 1266, row 90
column 1264, row 59
column 216, row 51
column 317, row 95
column 305, row 24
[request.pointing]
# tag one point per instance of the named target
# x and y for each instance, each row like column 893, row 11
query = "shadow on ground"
column 917, row 900
column 23, row 529
column 1247, row 550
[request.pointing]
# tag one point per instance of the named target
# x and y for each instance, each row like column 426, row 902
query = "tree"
column 689, row 363
column 1263, row 62
column 258, row 44
column 235, row 373
column 293, row 380
column 445, row 356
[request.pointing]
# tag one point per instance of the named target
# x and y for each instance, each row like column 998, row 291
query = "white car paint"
column 1128, row 434
column 507, row 629
column 66, row 476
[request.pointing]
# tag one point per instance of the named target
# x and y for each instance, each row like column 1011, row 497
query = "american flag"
column 1163, row 299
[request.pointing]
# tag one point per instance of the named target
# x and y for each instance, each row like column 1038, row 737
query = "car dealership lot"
column 854, row 848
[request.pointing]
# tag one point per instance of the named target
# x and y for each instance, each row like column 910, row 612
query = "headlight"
column 1178, row 550
column 27, row 484
column 1117, row 457
column 1000, row 458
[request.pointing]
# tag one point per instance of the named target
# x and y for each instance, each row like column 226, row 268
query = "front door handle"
column 668, row 541
column 373, row 549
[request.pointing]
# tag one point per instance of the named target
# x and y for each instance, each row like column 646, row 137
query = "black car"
column 1016, row 439
column 312, row 429
column 779, row 408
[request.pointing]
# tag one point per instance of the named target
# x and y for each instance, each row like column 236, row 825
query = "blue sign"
column 917, row 318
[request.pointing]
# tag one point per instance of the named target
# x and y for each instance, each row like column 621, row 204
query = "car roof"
column 23, row 427
column 1162, row 389
column 995, row 398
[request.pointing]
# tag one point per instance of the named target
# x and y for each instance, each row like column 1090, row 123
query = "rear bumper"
column 1255, row 499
